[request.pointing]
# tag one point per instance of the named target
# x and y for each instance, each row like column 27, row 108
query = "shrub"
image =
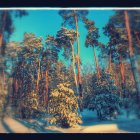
column 104, row 97
column 63, row 107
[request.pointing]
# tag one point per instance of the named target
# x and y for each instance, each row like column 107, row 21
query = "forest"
column 43, row 78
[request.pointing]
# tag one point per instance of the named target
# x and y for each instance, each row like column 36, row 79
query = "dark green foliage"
column 32, row 59
column 7, row 25
column 69, row 16
column 65, row 38
column 104, row 97
column 93, row 33
column 25, row 72
column 107, row 105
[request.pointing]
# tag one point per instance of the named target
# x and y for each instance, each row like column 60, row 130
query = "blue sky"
column 44, row 22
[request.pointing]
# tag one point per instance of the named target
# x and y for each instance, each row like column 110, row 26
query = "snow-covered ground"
column 2, row 128
column 91, row 124
column 10, row 125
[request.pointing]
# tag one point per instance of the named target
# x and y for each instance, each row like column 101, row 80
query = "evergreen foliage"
column 104, row 97
column 30, row 105
column 63, row 107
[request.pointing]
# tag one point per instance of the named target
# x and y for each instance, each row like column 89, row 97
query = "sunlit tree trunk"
column 116, row 76
column 78, row 55
column 38, row 76
column 109, row 63
column 132, row 57
column 122, row 72
column 131, row 50
column 1, row 38
column 96, row 63
column 78, row 63
column 73, row 65
column 15, row 85
column 47, row 87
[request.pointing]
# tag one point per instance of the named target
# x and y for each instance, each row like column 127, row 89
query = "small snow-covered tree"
column 63, row 107
column 107, row 105
column 104, row 97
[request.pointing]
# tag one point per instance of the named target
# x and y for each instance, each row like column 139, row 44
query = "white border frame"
column 100, row 8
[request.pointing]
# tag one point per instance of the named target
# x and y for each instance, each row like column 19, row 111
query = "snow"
column 2, row 129
column 91, row 124
column 13, row 126
column 130, row 116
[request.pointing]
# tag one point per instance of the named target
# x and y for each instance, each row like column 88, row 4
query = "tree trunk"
column 2, row 29
column 47, row 87
column 122, row 72
column 131, row 50
column 109, row 65
column 13, row 91
column 96, row 63
column 1, row 39
column 78, row 63
column 116, row 76
column 38, row 77
column 73, row 65
column 132, row 57
column 78, row 54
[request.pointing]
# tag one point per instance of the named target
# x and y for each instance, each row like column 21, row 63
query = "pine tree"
column 116, row 47
column 49, row 58
column 132, row 57
column 63, row 107
column 6, row 30
column 92, row 40
column 27, row 71
column 124, row 41
column 71, row 18
column 7, row 25
column 104, row 97
column 65, row 39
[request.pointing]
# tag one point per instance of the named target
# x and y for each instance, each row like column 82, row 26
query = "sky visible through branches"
column 45, row 22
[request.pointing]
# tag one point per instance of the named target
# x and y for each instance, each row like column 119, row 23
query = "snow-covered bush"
column 63, row 107
column 104, row 97
column 107, row 105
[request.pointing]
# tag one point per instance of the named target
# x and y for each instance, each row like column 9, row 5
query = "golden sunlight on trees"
column 52, row 81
